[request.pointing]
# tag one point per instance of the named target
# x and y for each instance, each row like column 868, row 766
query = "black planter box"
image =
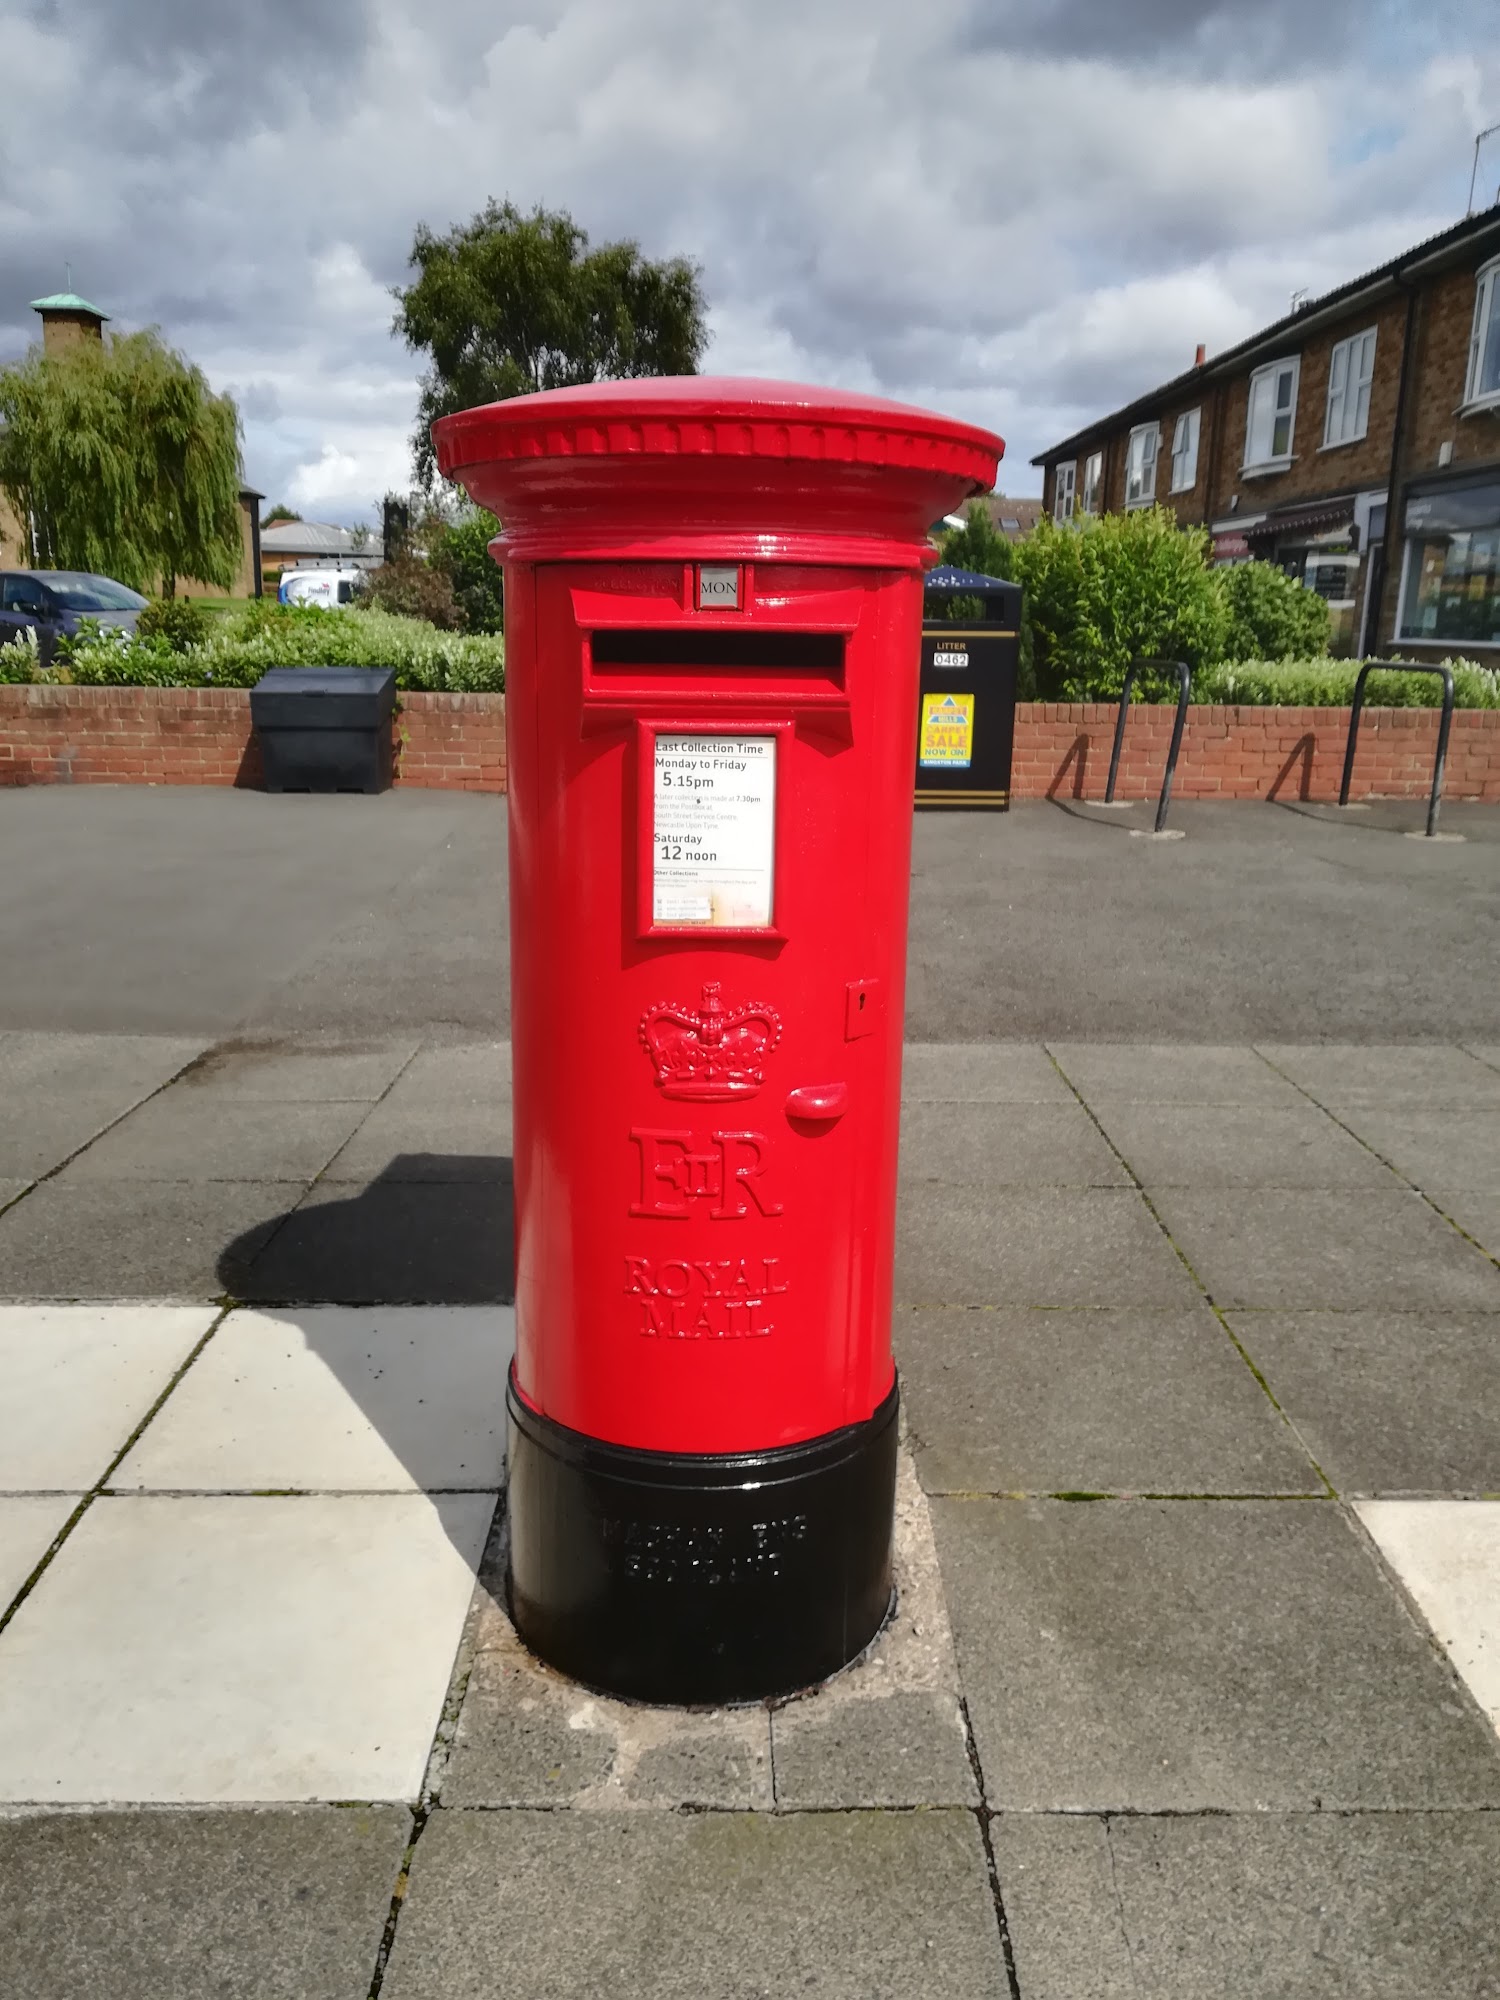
column 325, row 729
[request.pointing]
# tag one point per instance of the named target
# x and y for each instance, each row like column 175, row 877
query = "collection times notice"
column 714, row 831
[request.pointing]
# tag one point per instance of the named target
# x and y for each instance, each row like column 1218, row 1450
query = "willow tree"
column 117, row 457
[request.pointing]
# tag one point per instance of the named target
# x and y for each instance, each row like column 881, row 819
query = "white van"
column 328, row 588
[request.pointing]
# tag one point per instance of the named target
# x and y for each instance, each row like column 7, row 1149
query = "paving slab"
column 1263, row 1907
column 448, row 1118
column 1171, row 1073
column 528, row 1737
column 1306, row 1249
column 1447, row 1553
column 1387, row 1402
column 1034, row 1247
column 122, row 1067
column 311, row 1641
column 283, row 1905
column 1067, row 1929
column 1238, row 1145
column 12, row 1190
column 981, row 1073
column 1477, row 1214
column 395, row 1241
column 199, row 1135
column 889, row 1730
column 1424, row 1077
column 1006, row 1145
column 1014, row 1401
column 29, row 1524
column 336, row 1399
column 1450, row 1148
column 1182, row 1656
column 301, row 1072
column 667, row 1906
column 39, row 1131
column 135, row 1239
column 78, row 1379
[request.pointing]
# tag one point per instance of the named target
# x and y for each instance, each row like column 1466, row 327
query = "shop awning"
column 1304, row 520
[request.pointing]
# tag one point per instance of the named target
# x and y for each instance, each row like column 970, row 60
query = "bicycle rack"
column 1184, row 689
column 1402, row 667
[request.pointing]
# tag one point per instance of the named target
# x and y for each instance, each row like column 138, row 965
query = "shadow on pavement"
column 433, row 1229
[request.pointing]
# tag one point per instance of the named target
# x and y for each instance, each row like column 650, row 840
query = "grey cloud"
column 1272, row 38
column 946, row 204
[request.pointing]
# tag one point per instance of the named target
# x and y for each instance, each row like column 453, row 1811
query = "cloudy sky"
column 1021, row 211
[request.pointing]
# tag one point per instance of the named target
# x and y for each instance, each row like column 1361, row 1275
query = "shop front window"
column 1452, row 590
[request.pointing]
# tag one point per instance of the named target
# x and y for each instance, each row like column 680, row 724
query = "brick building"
column 1355, row 443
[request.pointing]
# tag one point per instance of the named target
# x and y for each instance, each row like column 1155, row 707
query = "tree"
column 280, row 512
column 461, row 551
column 978, row 545
column 117, row 457
column 506, row 303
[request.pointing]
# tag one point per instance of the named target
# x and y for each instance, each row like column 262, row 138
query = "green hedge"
column 241, row 648
column 1329, row 683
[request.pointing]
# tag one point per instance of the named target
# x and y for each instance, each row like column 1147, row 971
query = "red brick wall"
column 202, row 736
column 1062, row 750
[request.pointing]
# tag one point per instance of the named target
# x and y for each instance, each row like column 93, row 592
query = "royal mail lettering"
column 719, row 1298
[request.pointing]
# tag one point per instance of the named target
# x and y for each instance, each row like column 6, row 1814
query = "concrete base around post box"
column 699, row 1579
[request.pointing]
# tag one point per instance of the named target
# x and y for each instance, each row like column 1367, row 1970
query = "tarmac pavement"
column 1191, row 1688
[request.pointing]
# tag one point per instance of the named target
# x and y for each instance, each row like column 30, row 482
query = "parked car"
column 54, row 602
column 328, row 588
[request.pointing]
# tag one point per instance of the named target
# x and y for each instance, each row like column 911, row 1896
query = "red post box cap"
column 681, row 464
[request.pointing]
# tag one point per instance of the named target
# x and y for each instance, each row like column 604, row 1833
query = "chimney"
column 1200, row 356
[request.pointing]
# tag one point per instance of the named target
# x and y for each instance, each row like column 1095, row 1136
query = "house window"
column 1483, row 385
column 1062, row 491
column 1185, row 452
column 1450, row 590
column 1273, row 405
column 1349, row 375
column 1093, row 480
column 1140, row 466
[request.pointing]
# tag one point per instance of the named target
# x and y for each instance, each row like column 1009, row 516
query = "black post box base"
column 696, row 1579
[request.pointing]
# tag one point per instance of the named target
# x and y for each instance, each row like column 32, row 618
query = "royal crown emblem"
column 713, row 1051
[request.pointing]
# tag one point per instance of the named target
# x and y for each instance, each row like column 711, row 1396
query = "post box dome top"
column 689, row 459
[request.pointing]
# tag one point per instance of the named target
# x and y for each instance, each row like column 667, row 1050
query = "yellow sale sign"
column 947, row 731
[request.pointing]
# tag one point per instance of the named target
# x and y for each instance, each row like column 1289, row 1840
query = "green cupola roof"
column 67, row 302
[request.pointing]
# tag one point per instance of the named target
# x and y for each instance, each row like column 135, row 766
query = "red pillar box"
column 713, row 596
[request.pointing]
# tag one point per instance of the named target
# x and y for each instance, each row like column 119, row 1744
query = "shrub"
column 241, row 648
column 1271, row 615
column 21, row 659
column 1326, row 683
column 1112, row 588
column 460, row 550
column 178, row 620
column 411, row 588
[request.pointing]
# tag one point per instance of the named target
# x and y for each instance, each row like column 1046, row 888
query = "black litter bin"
column 967, row 723
column 325, row 729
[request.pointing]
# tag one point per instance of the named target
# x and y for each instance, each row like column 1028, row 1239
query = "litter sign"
column 947, row 732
